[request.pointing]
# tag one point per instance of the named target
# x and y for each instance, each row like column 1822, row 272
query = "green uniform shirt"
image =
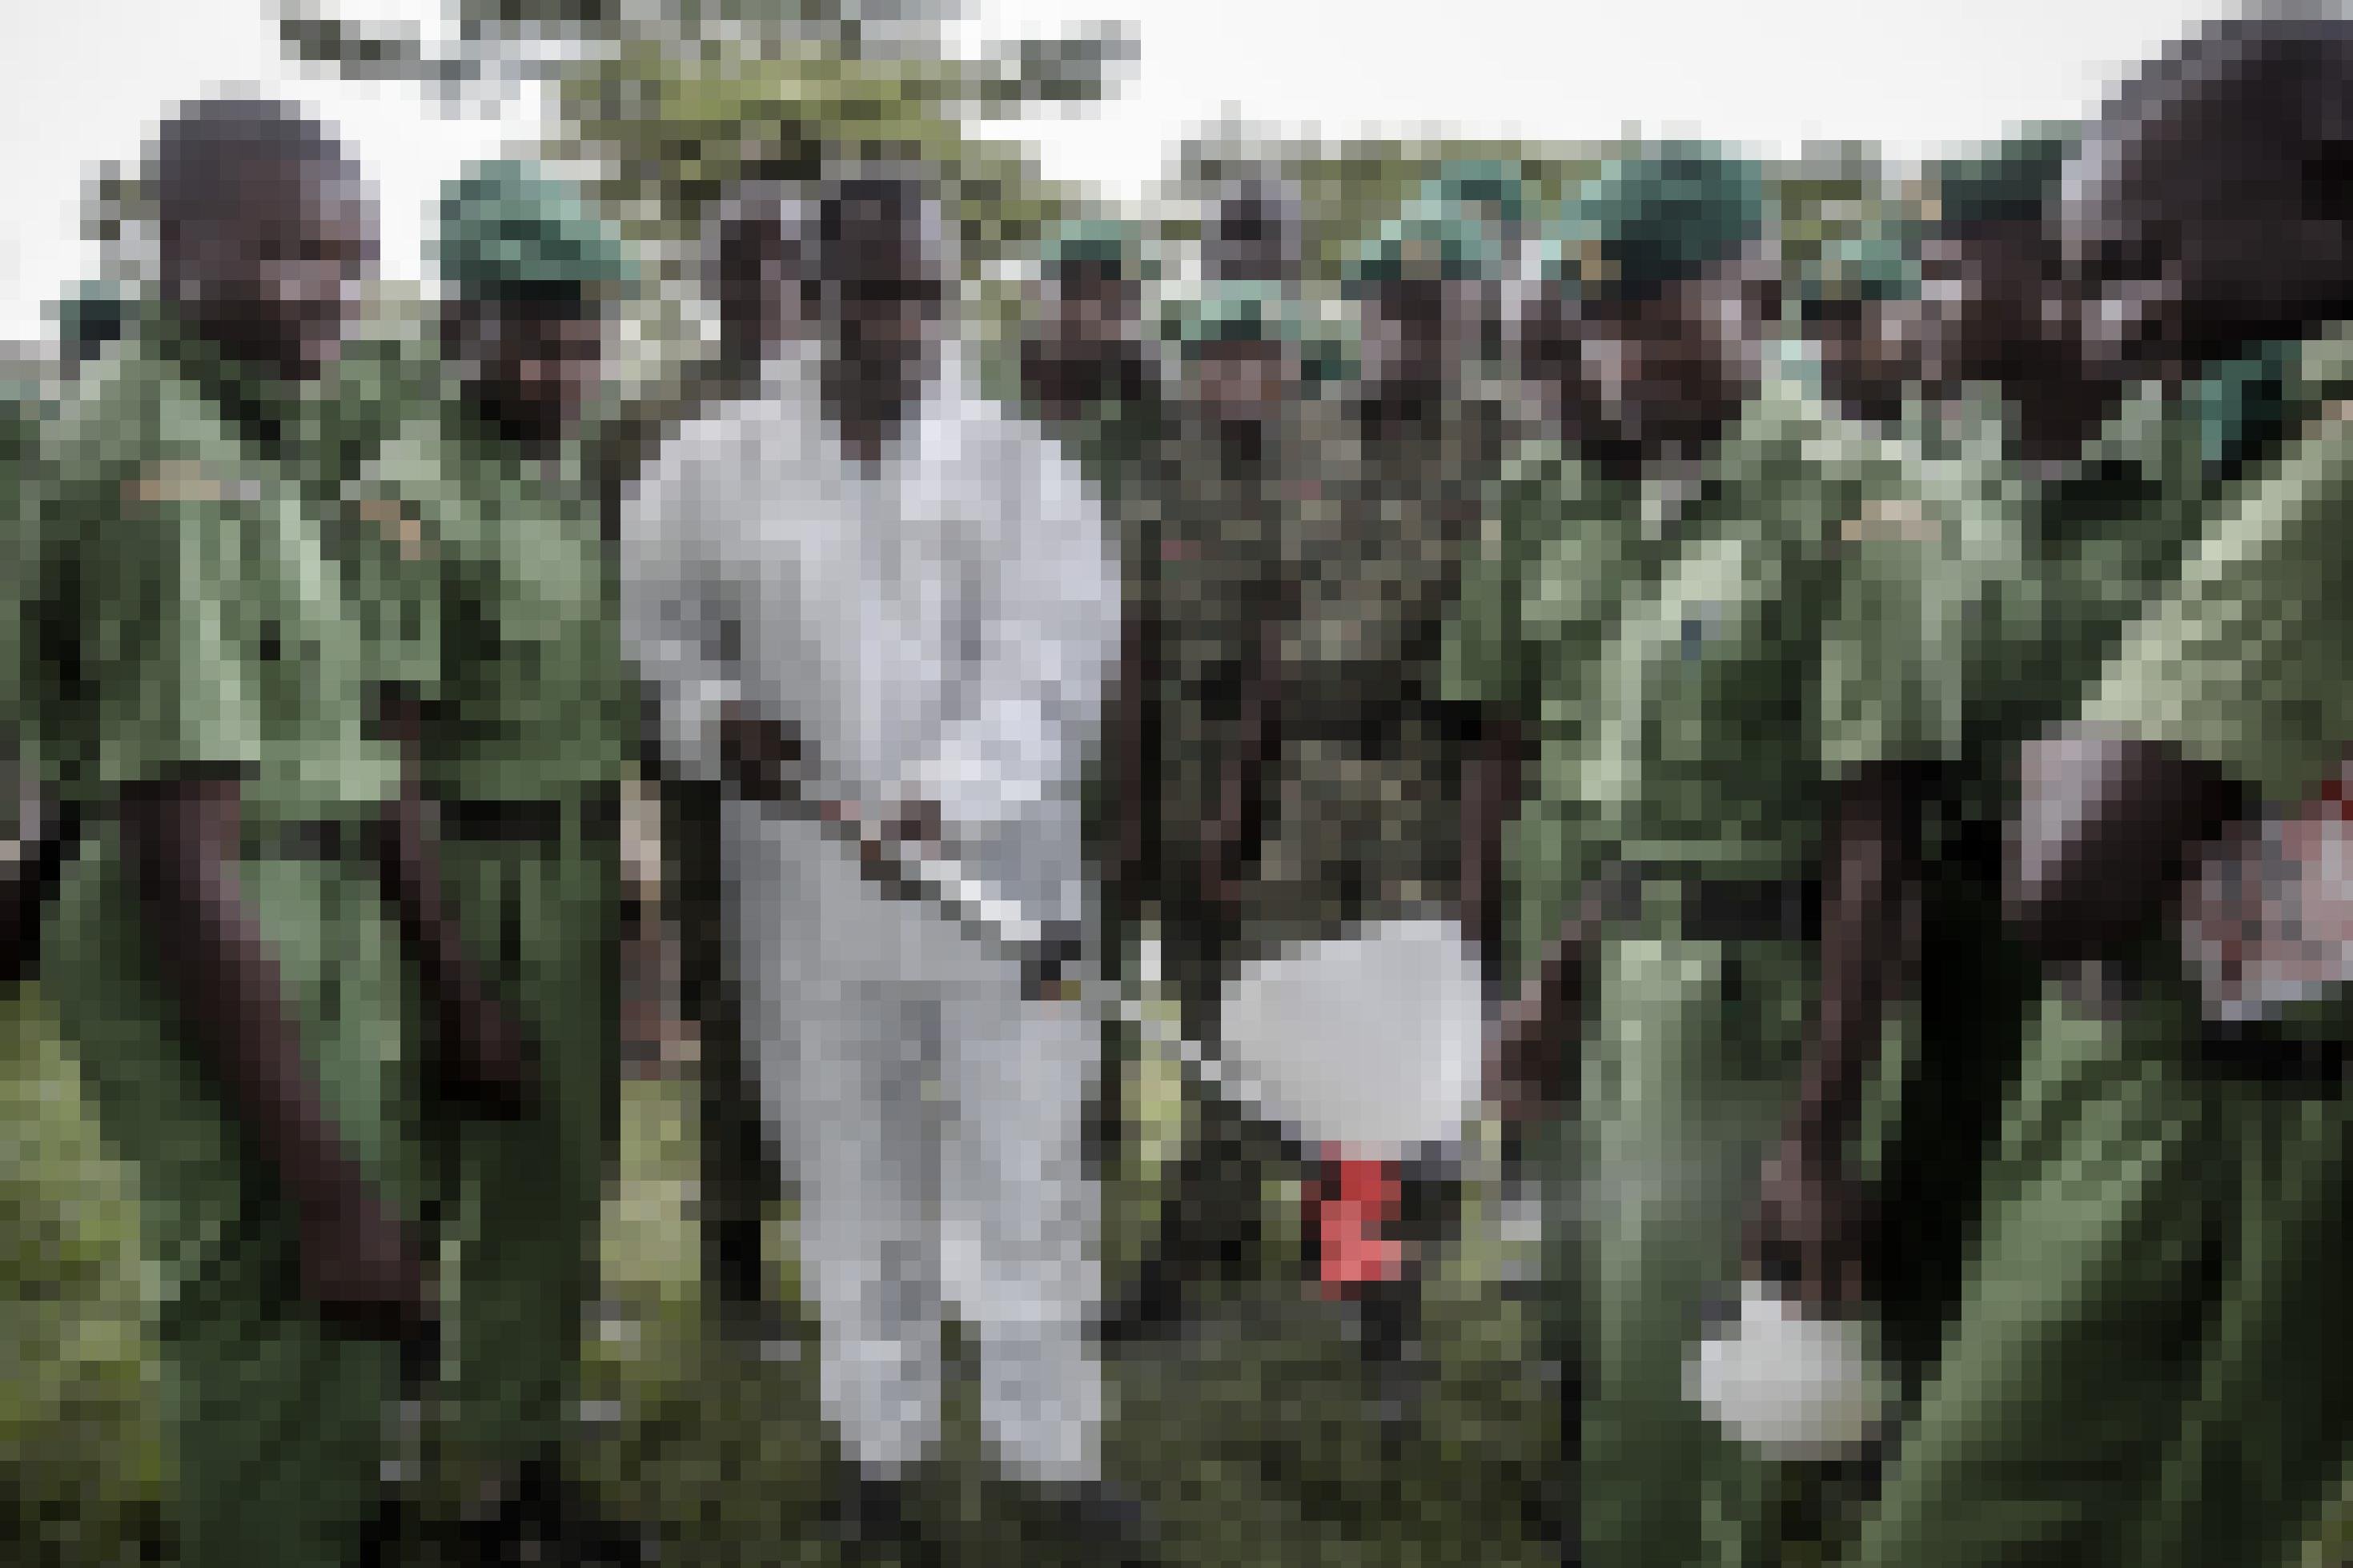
column 2052, row 563
column 534, row 699
column 1772, row 651
column 2244, row 663
column 187, row 610
column 1560, row 552
column 185, row 616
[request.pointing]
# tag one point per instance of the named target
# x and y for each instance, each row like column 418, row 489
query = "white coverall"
column 937, row 626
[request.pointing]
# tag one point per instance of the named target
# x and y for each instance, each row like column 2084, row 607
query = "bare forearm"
column 1536, row 1056
column 2106, row 832
column 410, row 866
column 1873, row 869
column 1491, row 798
column 430, row 938
column 217, row 965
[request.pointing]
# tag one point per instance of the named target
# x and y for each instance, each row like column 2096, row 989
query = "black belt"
column 348, row 840
column 502, row 821
column 593, row 814
column 1730, row 908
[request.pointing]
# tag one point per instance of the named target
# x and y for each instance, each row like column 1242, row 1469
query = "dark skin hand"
column 762, row 760
column 358, row 1262
column 26, row 886
column 1532, row 1055
column 483, row 1060
column 1809, row 1231
column 2107, row 829
column 1492, row 784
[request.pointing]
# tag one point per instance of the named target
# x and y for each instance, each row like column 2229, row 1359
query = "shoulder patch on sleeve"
column 1892, row 519
column 400, row 524
column 177, row 481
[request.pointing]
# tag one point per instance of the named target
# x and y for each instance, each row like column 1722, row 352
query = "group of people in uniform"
column 1869, row 726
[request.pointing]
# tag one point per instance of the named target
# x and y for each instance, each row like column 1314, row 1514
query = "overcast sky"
column 92, row 78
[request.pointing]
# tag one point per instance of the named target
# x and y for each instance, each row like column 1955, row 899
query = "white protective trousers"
column 936, row 627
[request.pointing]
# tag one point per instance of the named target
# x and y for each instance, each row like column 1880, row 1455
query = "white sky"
column 93, row 77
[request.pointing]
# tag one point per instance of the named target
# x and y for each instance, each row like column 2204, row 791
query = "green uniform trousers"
column 1691, row 1061
column 275, row 1430
column 543, row 918
column 2148, row 1365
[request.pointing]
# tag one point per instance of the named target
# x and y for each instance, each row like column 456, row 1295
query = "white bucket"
column 1373, row 1043
column 1800, row 1386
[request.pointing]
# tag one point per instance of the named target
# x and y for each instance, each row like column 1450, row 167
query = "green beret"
column 1423, row 248
column 1090, row 242
column 508, row 229
column 1658, row 217
column 2011, row 183
column 1249, row 312
column 1873, row 267
column 1494, row 189
column 1240, row 311
column 93, row 314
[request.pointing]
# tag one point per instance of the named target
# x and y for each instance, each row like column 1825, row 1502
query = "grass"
column 1252, row 1442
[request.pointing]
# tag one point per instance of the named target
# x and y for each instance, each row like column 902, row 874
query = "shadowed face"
column 1414, row 332
column 1990, row 304
column 1244, row 383
column 1551, row 361
column 1672, row 364
column 1095, row 312
column 269, row 264
column 538, row 362
column 2214, row 216
column 1870, row 351
column 761, row 285
column 886, row 297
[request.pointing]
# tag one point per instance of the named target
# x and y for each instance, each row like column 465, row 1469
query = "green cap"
column 1090, row 242
column 1423, row 248
column 1240, row 311
column 2013, row 181
column 508, row 229
column 93, row 314
column 1491, row 190
column 1872, row 267
column 1250, row 311
column 1660, row 217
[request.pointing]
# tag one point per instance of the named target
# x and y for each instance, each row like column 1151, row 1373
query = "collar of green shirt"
column 2145, row 432
column 1667, row 491
column 260, row 406
column 477, row 445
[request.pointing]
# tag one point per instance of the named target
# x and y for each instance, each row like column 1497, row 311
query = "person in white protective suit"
column 870, row 582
